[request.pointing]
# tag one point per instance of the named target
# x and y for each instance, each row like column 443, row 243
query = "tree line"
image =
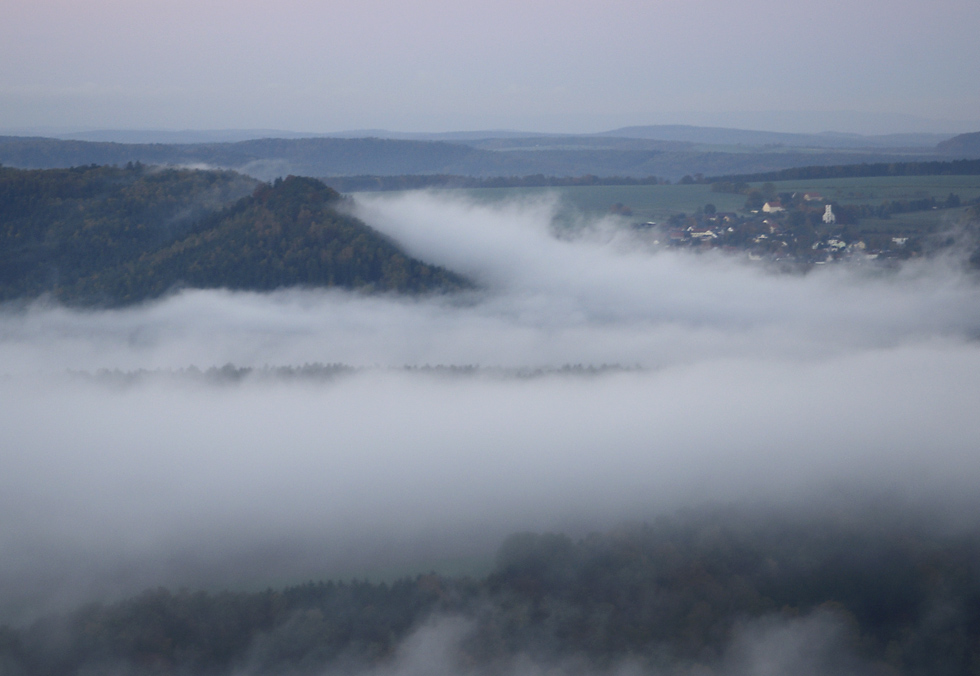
column 863, row 170
column 421, row 181
column 669, row 596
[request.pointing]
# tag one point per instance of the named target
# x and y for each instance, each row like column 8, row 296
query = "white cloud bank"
column 752, row 386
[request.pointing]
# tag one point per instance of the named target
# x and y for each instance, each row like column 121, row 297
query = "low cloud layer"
column 814, row 645
column 741, row 385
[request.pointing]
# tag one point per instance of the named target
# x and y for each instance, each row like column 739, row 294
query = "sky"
column 875, row 66
column 733, row 384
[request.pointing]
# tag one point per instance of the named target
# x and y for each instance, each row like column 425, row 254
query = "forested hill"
column 840, row 593
column 111, row 236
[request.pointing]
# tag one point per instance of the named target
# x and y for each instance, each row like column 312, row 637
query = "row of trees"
column 421, row 181
column 863, row 170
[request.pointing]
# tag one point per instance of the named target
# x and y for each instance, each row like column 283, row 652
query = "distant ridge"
column 964, row 145
column 179, row 136
column 186, row 136
column 664, row 132
column 557, row 156
column 726, row 136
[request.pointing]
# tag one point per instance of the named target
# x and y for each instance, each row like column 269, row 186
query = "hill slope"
column 107, row 236
column 964, row 145
column 57, row 226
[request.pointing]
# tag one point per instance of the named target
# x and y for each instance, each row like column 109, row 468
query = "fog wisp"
column 732, row 383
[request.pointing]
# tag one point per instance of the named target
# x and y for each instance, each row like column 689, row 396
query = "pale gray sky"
column 435, row 65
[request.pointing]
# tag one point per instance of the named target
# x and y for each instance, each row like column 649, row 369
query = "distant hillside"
column 266, row 159
column 183, row 136
column 964, row 145
column 724, row 136
column 110, row 236
column 665, row 133
column 270, row 158
column 556, row 142
column 262, row 158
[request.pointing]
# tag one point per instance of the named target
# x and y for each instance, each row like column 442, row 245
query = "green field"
column 914, row 223
column 879, row 189
column 657, row 202
column 648, row 202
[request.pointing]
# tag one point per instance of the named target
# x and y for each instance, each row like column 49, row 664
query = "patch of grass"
column 915, row 223
column 879, row 189
column 658, row 202
column 647, row 202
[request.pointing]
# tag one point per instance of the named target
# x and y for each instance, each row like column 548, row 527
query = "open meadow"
column 659, row 202
column 646, row 202
column 877, row 189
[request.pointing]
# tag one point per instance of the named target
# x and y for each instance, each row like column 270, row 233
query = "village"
column 795, row 229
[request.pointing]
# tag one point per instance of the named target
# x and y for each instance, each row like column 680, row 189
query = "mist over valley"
column 489, row 339
column 585, row 380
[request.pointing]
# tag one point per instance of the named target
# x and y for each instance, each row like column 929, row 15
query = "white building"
column 828, row 215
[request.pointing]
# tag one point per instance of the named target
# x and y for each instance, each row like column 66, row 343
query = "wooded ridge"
column 109, row 236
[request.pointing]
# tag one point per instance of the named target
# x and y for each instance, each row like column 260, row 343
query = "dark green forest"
column 670, row 596
column 107, row 236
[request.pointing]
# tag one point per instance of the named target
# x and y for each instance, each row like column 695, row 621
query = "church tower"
column 828, row 215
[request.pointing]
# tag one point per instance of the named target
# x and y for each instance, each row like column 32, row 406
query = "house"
column 703, row 233
column 773, row 207
column 813, row 197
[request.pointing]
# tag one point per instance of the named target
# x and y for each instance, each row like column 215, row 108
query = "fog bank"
column 742, row 385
